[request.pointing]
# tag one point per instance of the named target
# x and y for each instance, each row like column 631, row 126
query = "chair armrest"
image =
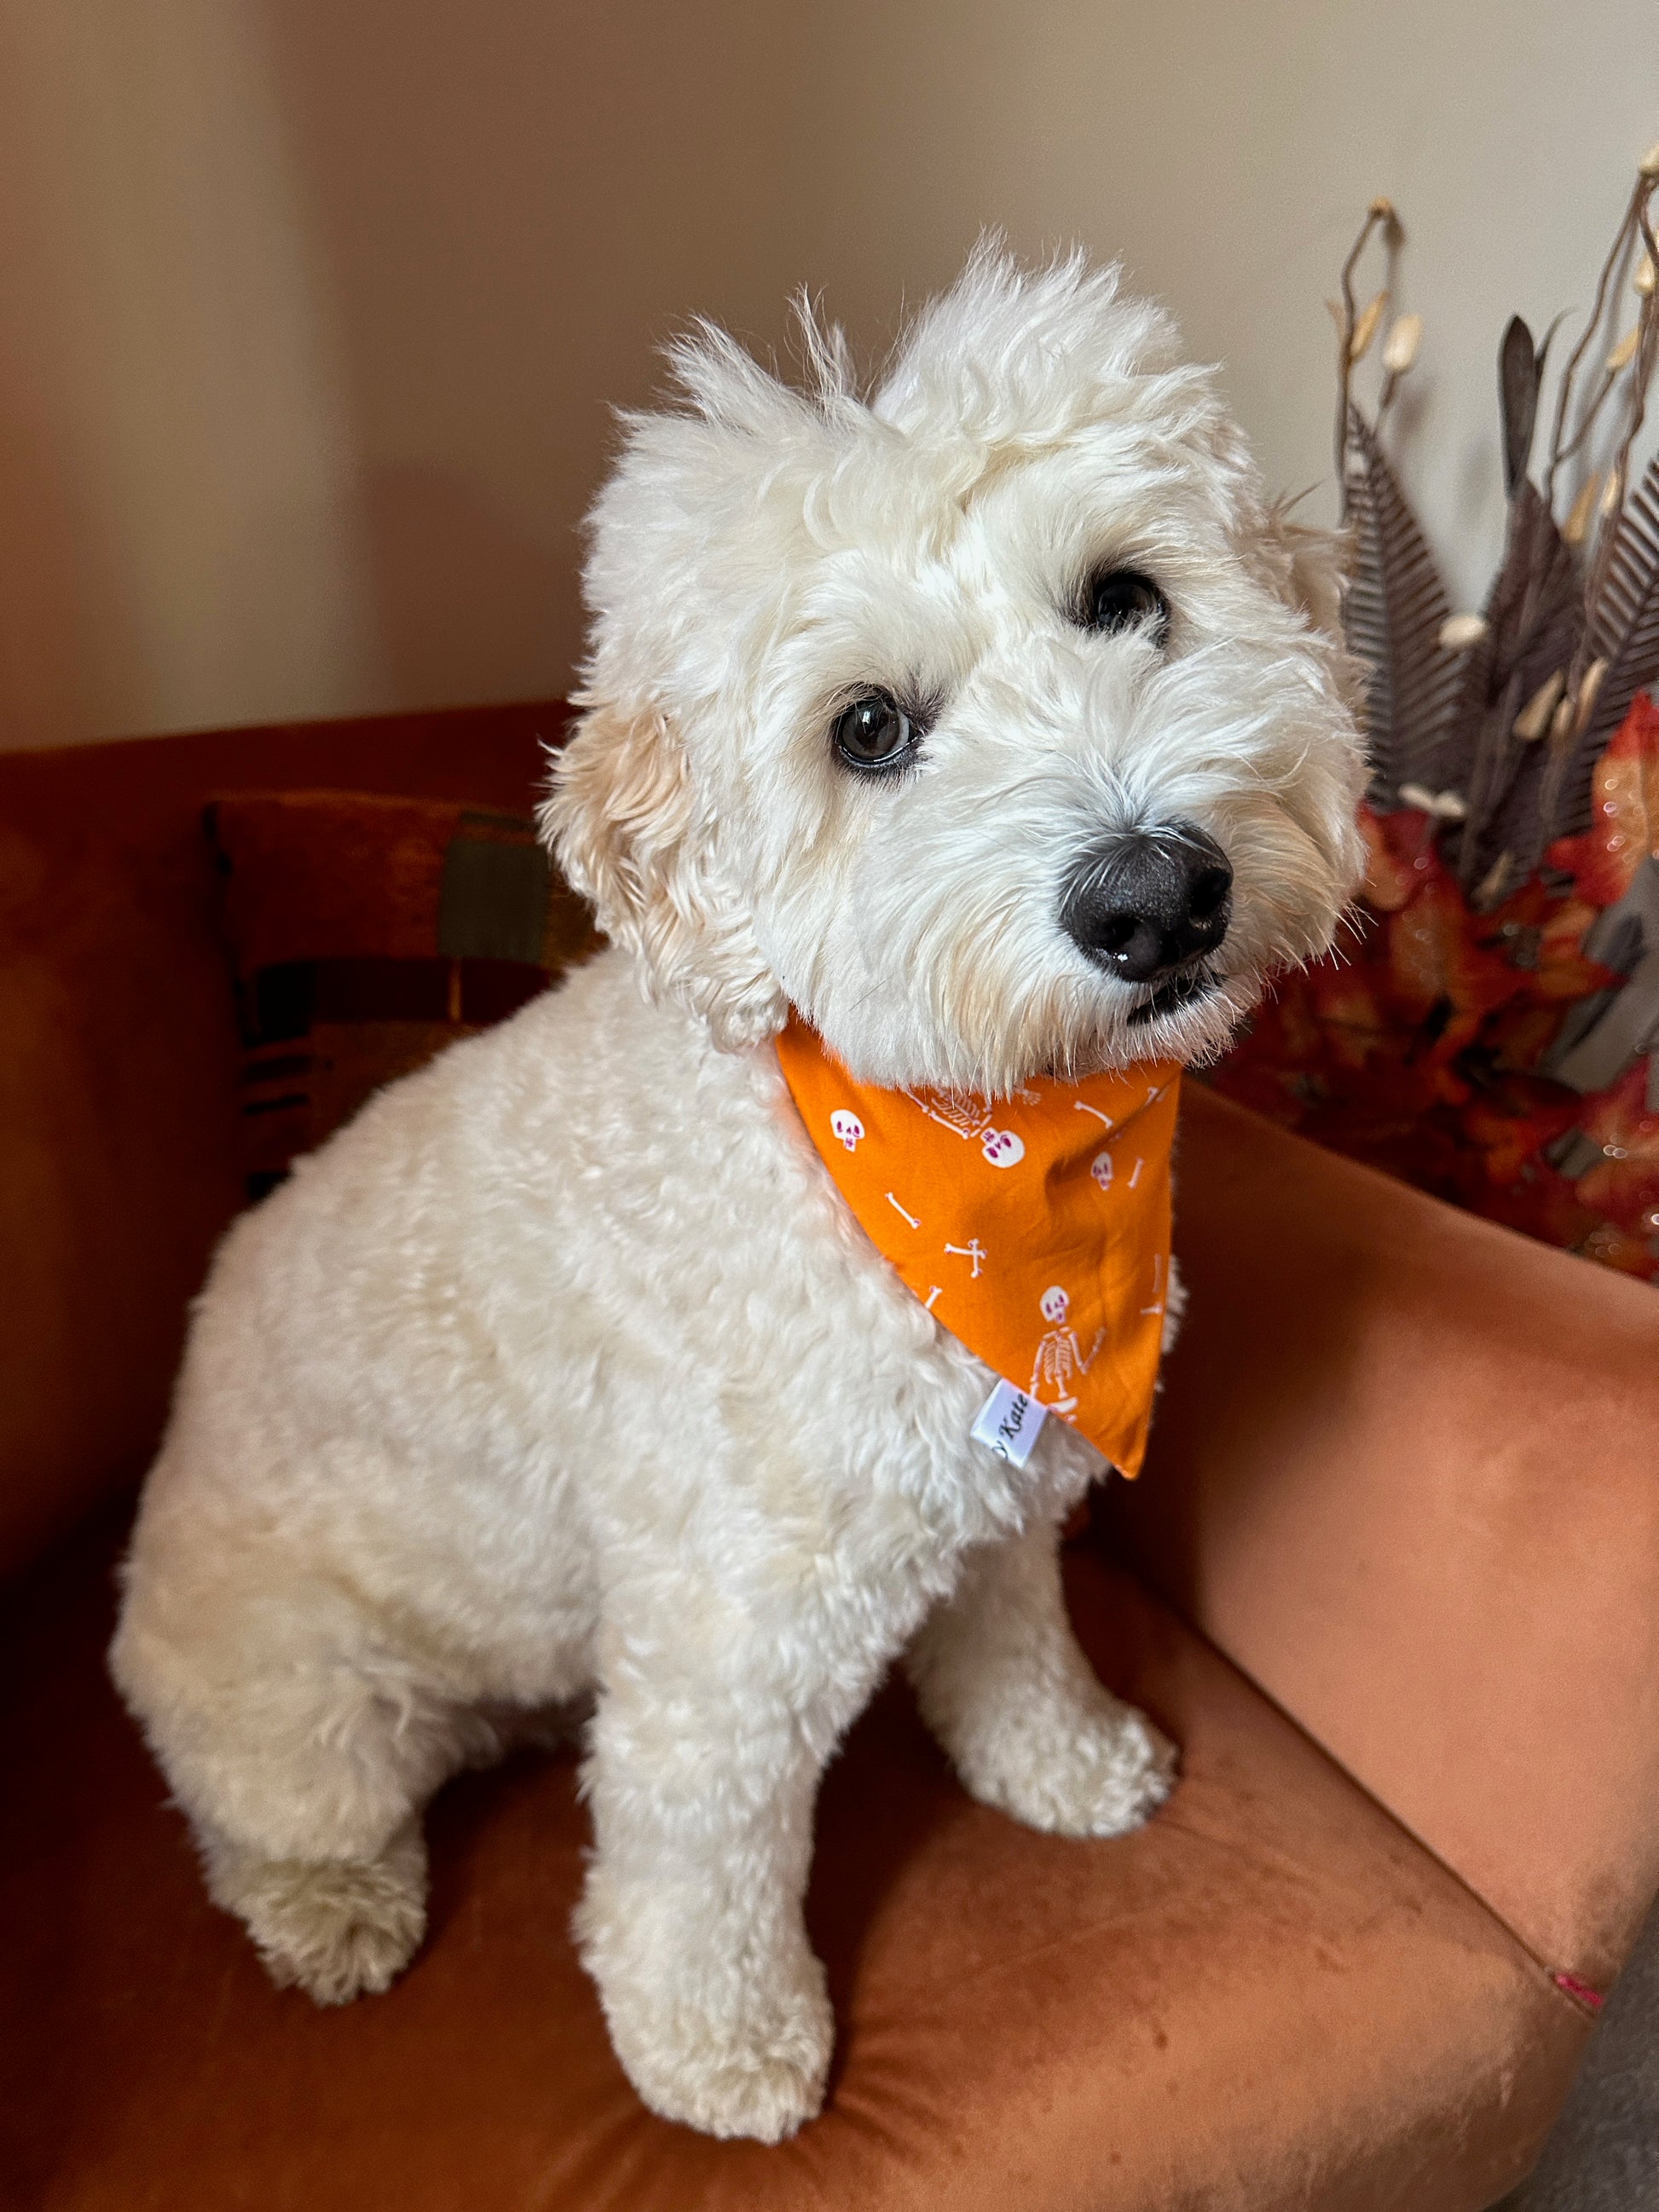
column 1406, row 1474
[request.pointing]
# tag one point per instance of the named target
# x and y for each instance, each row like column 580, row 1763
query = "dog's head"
column 996, row 722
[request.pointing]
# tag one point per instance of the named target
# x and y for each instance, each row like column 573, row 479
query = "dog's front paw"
column 1088, row 1769
column 715, row 2025
column 760, row 2075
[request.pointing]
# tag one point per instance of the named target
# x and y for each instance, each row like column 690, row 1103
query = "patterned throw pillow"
column 367, row 933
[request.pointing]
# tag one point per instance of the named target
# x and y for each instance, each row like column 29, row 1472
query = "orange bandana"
column 1036, row 1229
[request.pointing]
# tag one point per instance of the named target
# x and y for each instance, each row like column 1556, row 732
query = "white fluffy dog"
column 564, row 1372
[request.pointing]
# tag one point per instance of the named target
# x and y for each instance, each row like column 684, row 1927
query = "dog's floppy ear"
column 625, row 823
column 1309, row 569
column 704, row 499
column 1309, row 566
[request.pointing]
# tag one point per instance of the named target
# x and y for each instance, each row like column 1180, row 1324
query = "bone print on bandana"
column 1036, row 1228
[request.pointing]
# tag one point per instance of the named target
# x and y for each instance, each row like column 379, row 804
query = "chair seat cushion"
column 1270, row 1997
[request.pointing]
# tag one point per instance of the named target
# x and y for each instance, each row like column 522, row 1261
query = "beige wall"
column 313, row 308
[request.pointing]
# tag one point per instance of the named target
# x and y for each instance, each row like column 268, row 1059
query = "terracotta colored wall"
column 314, row 308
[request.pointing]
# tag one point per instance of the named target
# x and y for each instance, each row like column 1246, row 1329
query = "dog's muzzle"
column 1150, row 901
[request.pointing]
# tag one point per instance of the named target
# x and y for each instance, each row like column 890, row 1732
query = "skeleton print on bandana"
column 967, row 1114
column 1060, row 1362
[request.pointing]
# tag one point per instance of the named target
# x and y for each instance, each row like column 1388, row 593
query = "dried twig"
column 1561, row 443
column 1380, row 215
column 1496, row 716
column 1608, row 533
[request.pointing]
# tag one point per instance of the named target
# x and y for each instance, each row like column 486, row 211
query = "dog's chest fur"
column 582, row 1295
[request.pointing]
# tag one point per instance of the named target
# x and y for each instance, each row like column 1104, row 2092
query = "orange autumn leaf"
column 1432, row 956
column 1616, row 1248
column 1564, row 971
column 1421, row 1045
column 1624, row 1184
column 1625, row 811
column 1390, row 879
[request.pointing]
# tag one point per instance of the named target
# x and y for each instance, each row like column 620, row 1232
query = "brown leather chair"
column 1391, row 1578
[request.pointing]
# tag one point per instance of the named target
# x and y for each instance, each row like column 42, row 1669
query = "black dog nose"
column 1149, row 900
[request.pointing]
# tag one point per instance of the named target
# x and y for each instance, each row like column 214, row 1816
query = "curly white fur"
column 564, row 1371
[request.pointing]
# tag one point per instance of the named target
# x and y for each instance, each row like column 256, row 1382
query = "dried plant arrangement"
column 1492, row 1033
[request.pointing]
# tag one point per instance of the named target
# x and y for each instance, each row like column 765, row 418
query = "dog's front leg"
column 1004, row 1688
column 702, row 1784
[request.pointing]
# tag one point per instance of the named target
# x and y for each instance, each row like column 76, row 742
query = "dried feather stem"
column 1494, row 883
column 1576, row 528
column 1494, row 749
column 1379, row 215
column 1616, row 361
column 1631, row 220
column 1399, row 354
column 1507, row 728
column 1536, row 717
column 1640, row 375
column 1585, row 673
column 1587, row 420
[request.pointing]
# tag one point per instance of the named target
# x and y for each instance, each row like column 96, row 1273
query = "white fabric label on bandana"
column 1010, row 1421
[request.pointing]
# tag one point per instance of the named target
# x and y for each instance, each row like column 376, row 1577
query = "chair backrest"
column 1405, row 1473
column 118, row 1151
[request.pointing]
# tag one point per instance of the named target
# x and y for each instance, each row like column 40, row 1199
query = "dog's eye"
column 874, row 731
column 1123, row 598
